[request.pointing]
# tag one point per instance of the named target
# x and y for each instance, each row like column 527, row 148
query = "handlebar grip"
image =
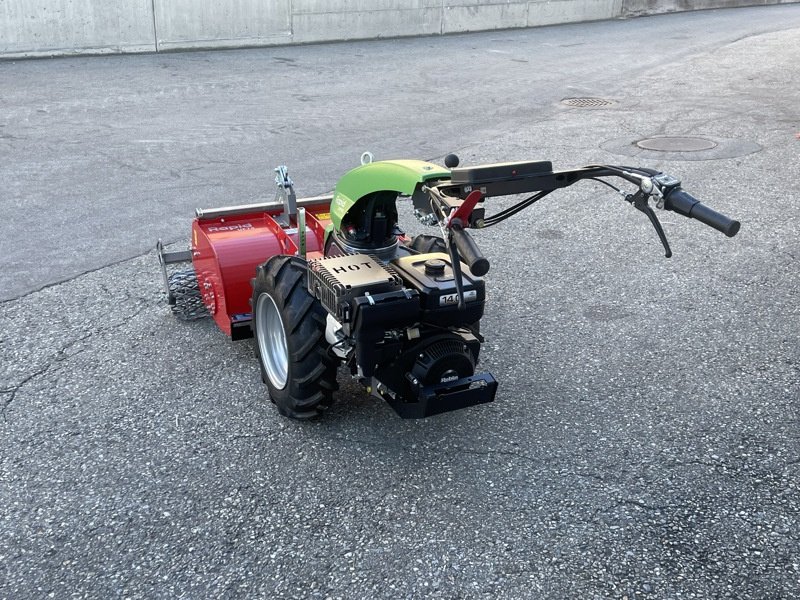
column 687, row 205
column 470, row 252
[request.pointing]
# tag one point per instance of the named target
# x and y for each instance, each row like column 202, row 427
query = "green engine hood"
column 401, row 176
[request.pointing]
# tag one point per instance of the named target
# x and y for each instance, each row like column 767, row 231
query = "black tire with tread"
column 311, row 377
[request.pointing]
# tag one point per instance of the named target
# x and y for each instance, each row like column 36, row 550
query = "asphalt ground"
column 644, row 439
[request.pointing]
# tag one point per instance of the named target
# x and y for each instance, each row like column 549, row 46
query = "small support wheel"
column 289, row 329
column 186, row 302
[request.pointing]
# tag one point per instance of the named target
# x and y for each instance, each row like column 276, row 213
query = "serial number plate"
column 448, row 299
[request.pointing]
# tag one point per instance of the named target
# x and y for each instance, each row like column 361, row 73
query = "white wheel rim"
column 272, row 341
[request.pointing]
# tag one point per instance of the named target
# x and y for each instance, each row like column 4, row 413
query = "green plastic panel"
column 401, row 176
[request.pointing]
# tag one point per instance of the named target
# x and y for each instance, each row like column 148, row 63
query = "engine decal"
column 448, row 299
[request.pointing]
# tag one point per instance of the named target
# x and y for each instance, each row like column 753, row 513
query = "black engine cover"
column 432, row 276
column 435, row 375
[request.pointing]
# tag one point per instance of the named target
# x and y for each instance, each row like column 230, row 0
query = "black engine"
column 400, row 329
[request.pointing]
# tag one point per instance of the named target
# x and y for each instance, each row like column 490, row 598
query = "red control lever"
column 463, row 212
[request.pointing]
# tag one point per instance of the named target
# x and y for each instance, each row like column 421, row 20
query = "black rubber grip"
column 688, row 206
column 470, row 253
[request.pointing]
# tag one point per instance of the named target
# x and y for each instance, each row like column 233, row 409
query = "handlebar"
column 454, row 203
column 685, row 204
column 470, row 253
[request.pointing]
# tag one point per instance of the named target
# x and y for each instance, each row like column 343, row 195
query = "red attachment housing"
column 227, row 248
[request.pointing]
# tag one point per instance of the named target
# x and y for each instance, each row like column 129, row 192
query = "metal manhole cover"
column 680, row 147
column 587, row 102
column 676, row 144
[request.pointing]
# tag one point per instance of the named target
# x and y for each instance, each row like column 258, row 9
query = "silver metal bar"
column 206, row 214
column 301, row 232
column 176, row 257
column 161, row 260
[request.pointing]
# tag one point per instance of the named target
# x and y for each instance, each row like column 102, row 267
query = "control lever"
column 455, row 264
column 462, row 213
column 454, row 223
column 639, row 200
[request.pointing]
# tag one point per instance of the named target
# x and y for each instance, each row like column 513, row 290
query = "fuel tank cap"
column 434, row 267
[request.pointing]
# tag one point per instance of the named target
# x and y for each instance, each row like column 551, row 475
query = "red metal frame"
column 226, row 251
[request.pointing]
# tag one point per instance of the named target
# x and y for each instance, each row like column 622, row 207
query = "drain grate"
column 587, row 102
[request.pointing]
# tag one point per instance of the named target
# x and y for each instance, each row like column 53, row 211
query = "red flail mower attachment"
column 229, row 243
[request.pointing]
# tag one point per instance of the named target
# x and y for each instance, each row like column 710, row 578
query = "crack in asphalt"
column 61, row 355
column 14, row 390
column 53, row 284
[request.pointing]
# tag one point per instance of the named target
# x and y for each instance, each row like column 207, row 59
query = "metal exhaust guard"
column 445, row 397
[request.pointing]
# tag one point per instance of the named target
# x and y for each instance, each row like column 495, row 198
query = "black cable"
column 643, row 170
column 613, row 187
column 512, row 210
column 620, row 171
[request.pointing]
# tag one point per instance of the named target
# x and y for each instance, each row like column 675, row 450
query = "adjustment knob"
column 451, row 161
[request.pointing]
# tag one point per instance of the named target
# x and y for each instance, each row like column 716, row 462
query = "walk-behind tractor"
column 332, row 279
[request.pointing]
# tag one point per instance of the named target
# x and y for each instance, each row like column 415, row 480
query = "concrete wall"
column 222, row 23
column 633, row 8
column 42, row 27
column 54, row 27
